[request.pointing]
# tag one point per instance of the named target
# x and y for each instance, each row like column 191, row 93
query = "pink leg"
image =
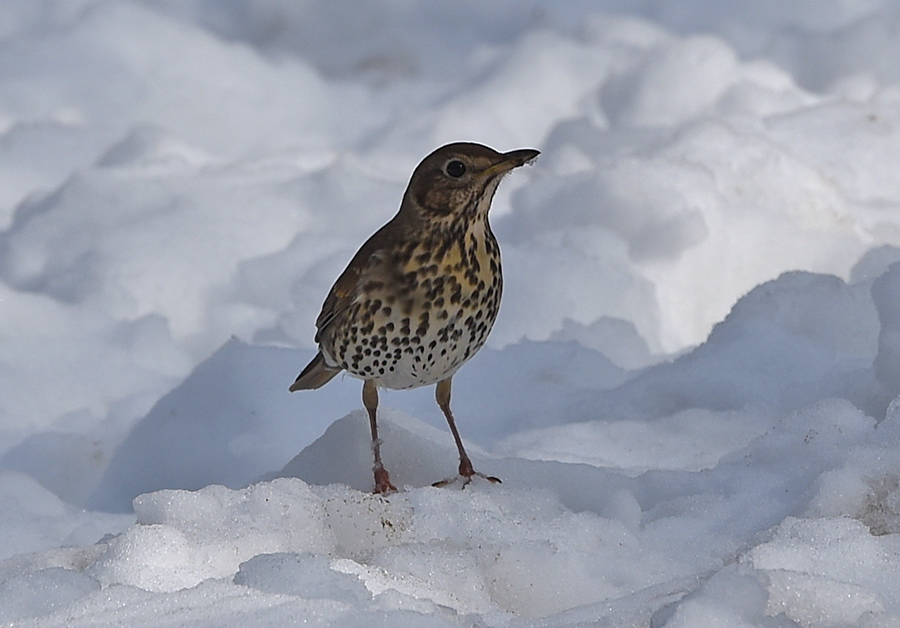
column 370, row 401
column 442, row 395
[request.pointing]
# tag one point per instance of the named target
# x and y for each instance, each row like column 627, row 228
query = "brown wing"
column 368, row 263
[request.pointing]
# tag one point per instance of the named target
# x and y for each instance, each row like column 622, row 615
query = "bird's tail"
column 315, row 375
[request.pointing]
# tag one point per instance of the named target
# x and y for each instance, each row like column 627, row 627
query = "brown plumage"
column 421, row 295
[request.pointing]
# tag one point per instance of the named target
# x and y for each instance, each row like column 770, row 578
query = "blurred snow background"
column 690, row 393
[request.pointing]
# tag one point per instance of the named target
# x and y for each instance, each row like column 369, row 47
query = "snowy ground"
column 692, row 394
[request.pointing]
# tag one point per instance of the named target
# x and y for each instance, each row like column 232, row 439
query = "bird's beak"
column 512, row 159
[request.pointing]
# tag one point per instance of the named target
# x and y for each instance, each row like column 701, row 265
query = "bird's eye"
column 455, row 168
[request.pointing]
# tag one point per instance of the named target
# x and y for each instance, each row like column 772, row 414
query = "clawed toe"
column 465, row 480
column 383, row 485
column 385, row 489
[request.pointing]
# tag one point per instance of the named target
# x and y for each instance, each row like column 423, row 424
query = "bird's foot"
column 383, row 484
column 465, row 480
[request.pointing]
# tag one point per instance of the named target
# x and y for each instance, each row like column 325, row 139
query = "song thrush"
column 421, row 295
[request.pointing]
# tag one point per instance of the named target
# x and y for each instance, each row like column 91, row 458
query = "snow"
column 692, row 394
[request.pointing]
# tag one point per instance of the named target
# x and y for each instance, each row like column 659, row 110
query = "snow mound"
column 671, row 545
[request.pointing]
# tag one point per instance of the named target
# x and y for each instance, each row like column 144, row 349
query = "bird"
column 421, row 295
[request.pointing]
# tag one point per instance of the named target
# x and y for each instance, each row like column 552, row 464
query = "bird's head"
column 459, row 180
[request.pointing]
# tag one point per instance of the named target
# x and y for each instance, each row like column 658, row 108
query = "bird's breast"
column 419, row 325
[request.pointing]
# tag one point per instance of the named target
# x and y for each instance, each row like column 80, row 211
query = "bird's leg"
column 370, row 401
column 442, row 396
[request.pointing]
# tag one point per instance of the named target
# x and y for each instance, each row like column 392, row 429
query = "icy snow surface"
column 692, row 394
